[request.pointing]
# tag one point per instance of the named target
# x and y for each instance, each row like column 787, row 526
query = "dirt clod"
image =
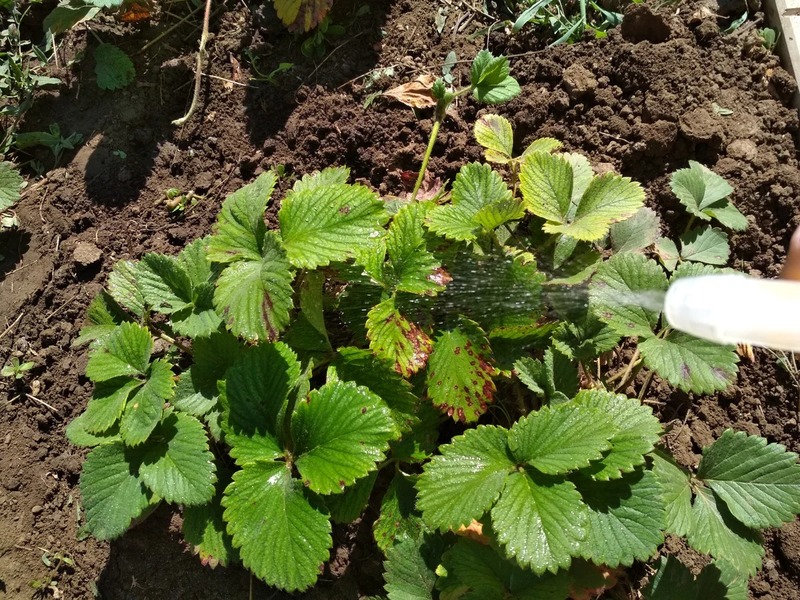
column 86, row 254
column 579, row 81
column 640, row 24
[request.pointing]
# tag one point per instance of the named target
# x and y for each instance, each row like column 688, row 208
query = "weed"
column 16, row 369
column 769, row 38
column 50, row 139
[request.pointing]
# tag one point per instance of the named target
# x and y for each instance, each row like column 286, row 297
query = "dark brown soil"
column 641, row 101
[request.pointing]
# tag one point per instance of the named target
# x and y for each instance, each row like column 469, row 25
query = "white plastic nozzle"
column 737, row 309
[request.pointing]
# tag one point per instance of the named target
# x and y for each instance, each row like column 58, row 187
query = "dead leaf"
column 302, row 15
column 474, row 532
column 743, row 350
column 416, row 94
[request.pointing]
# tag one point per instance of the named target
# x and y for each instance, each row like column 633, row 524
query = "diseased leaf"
column 717, row 533
column 707, row 245
column 177, row 465
column 619, row 292
column 394, row 338
column 690, row 363
column 254, row 297
column 759, row 482
column 460, row 373
column 281, row 537
column 539, row 520
column 416, row 94
column 494, row 133
column 113, row 68
column 340, row 432
column 204, row 529
column 558, row 440
column 667, row 253
column 113, row 494
column 329, row 223
column 399, row 519
column 625, row 519
column 302, row 15
column 466, row 480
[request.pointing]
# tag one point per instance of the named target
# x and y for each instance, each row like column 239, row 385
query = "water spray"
column 736, row 309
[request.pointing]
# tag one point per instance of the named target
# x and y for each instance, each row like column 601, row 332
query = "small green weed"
column 16, row 369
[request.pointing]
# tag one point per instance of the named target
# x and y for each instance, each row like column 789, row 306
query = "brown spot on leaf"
column 345, row 210
column 440, row 277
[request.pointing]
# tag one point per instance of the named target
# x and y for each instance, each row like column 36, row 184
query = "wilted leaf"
column 302, row 15
column 416, row 94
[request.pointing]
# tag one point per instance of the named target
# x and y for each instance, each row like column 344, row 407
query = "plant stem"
column 198, row 71
column 689, row 224
column 434, row 132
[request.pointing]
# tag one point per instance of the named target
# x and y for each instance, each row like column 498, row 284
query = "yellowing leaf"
column 416, row 94
column 302, row 15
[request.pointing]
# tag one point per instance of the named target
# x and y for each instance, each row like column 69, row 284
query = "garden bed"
column 664, row 88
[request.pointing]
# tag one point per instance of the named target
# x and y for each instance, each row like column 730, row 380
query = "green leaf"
column 559, row 440
column 667, row 253
column 177, row 465
column 113, row 68
column 113, row 494
column 759, row 482
column 479, row 572
column 490, row 79
column 475, row 188
column 409, row 572
column 256, row 392
column 704, row 194
column 366, row 369
column 637, row 432
column 340, row 432
column 399, row 519
column 78, row 433
column 240, row 229
column 728, row 215
column 539, row 520
column 510, row 290
column 715, row 582
column 281, row 537
column 542, row 145
column 64, row 17
column 625, row 519
column 108, row 401
column 689, row 363
column 254, row 297
column 619, row 292
column 11, row 182
column 707, row 245
column 552, row 189
column 636, row 233
column 125, row 352
column 123, row 286
column 348, row 506
column 412, row 268
column 322, row 179
column 325, row 224
column 164, row 283
column 677, row 494
column 144, row 408
column 466, row 480
column 103, row 315
column 494, row 133
column 460, row 373
column 718, row 533
column 555, row 378
column 394, row 338
column 694, row 269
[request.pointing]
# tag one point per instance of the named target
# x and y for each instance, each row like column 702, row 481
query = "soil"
column 641, row 101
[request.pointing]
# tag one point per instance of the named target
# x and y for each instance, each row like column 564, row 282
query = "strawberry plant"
column 429, row 359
